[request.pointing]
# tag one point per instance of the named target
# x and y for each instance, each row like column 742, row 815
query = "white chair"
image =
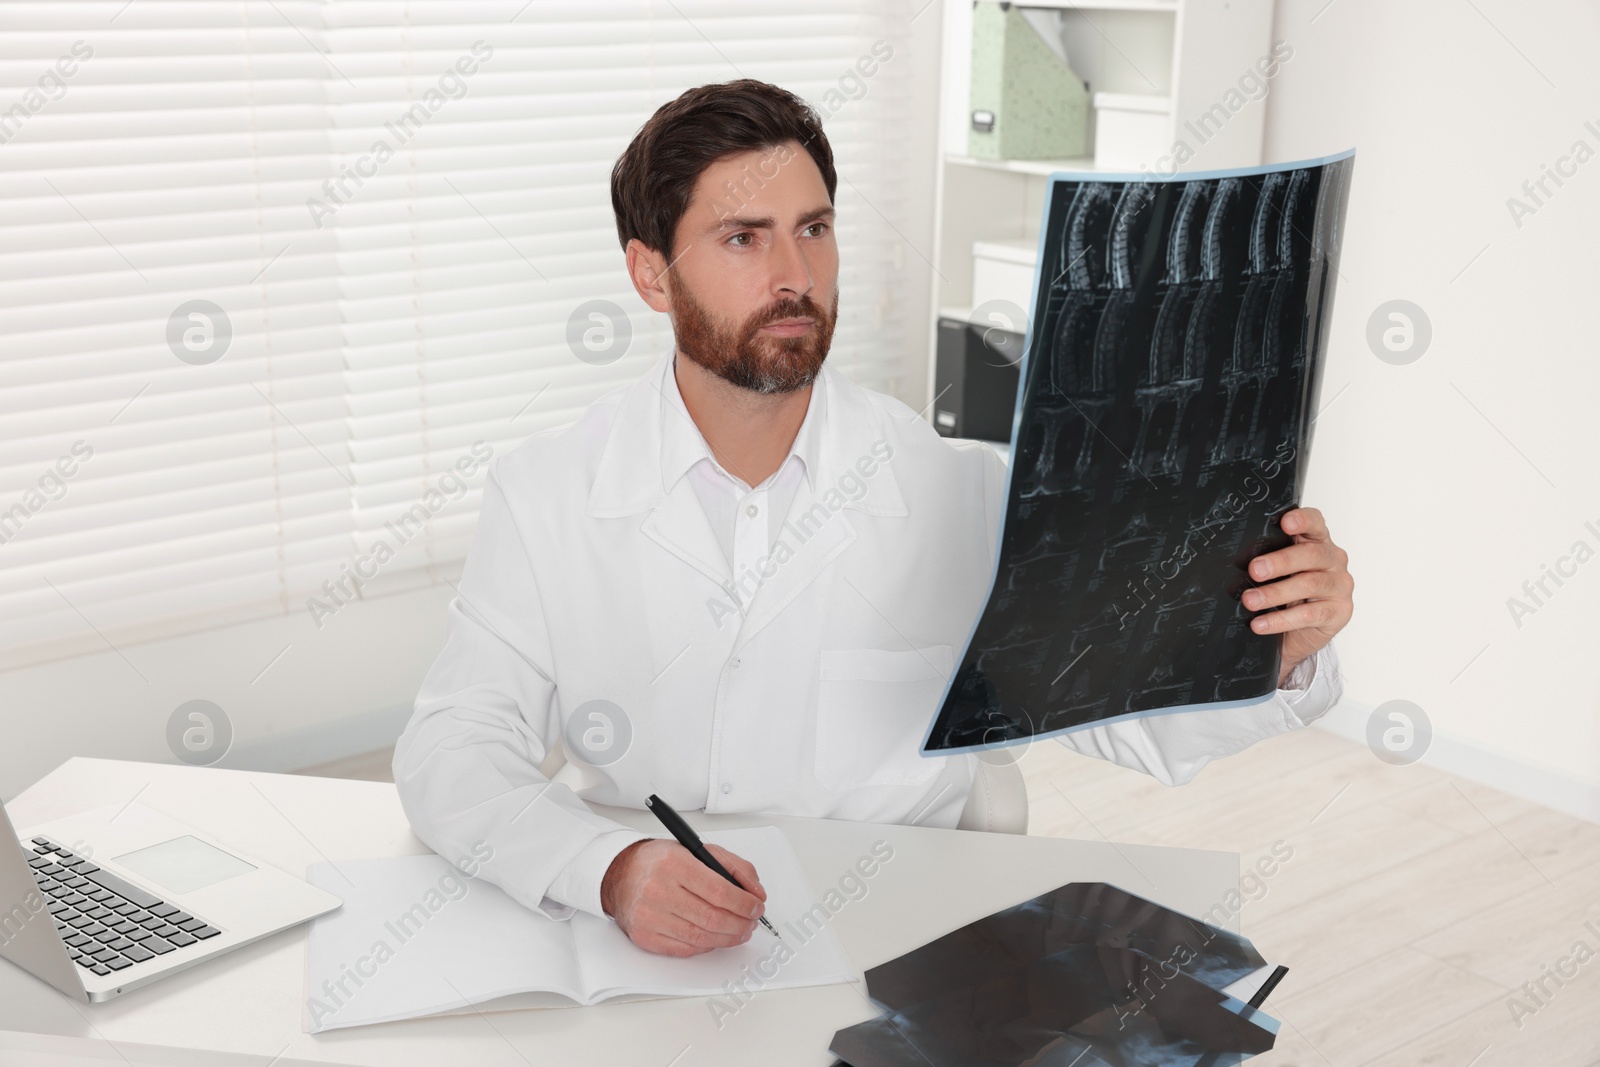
column 997, row 804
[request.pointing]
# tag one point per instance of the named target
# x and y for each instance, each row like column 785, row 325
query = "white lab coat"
column 586, row 581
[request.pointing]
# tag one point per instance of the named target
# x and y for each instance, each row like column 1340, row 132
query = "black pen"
column 691, row 841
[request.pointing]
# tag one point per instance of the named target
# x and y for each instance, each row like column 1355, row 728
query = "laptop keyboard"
column 107, row 923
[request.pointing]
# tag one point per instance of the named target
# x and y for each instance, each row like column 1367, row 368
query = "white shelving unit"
column 1041, row 167
column 1109, row 5
column 1190, row 52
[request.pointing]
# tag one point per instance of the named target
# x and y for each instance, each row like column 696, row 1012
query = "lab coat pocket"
column 873, row 708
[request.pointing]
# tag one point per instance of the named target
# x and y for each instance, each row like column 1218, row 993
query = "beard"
column 743, row 356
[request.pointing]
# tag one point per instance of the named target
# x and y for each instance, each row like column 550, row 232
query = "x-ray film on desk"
column 1170, row 380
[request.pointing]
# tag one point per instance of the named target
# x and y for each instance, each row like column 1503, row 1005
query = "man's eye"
column 818, row 226
column 736, row 236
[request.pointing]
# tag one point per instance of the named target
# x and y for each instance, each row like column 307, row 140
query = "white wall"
column 917, row 251
column 1453, row 479
column 338, row 691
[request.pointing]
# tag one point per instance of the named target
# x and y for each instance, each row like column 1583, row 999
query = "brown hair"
column 652, row 181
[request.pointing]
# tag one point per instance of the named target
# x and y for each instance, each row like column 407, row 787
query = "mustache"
column 803, row 308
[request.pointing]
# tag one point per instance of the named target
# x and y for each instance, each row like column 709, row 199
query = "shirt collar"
column 683, row 445
column 859, row 424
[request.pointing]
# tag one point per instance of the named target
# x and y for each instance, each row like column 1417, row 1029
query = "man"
column 741, row 581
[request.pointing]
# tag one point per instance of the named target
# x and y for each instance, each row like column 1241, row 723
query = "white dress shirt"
column 746, row 520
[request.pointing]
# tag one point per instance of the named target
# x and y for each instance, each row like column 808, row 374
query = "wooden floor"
column 1411, row 910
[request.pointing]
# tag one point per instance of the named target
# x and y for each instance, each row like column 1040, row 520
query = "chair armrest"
column 998, row 802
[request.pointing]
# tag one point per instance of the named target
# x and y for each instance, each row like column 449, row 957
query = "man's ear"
column 648, row 270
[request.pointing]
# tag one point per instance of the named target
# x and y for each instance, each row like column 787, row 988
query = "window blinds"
column 278, row 278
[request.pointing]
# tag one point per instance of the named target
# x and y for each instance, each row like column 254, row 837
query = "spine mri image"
column 1168, row 390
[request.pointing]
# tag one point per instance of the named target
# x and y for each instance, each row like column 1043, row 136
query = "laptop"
column 106, row 901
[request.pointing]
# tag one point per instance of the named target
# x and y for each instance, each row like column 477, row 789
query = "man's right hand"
column 667, row 901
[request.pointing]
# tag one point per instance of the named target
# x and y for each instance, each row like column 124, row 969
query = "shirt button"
column 735, row 663
column 727, row 787
column 751, row 511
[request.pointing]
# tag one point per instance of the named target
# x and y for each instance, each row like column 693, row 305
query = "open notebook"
column 416, row 937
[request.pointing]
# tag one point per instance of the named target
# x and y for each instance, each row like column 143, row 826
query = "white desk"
column 249, row 1001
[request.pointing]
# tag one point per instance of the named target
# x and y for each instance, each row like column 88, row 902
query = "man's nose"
column 790, row 270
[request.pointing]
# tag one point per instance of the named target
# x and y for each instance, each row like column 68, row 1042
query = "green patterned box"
column 1040, row 107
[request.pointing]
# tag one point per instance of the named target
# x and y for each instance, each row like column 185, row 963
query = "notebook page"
column 415, row 937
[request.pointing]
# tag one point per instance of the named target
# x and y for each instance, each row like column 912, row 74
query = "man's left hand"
column 1309, row 584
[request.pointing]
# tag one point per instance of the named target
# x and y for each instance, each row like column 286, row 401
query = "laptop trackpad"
column 184, row 864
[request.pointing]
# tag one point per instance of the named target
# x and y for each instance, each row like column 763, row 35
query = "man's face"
column 755, row 252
